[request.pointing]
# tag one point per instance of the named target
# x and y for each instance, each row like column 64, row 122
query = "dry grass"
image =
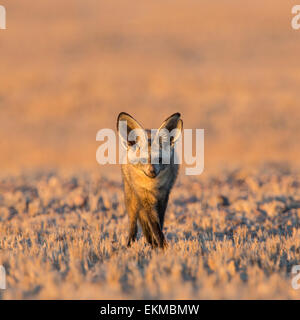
column 231, row 236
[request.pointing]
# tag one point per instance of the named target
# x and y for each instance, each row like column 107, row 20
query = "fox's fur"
column 147, row 186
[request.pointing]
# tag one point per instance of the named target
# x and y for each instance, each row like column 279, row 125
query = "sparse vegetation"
column 235, row 235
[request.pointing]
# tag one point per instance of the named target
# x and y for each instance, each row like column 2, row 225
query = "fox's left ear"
column 171, row 123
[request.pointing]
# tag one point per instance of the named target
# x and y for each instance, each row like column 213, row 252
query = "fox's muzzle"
column 152, row 170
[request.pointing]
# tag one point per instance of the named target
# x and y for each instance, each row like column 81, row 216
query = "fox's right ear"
column 172, row 123
column 125, row 124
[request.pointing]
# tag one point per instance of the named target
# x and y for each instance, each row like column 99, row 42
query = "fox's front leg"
column 151, row 229
column 157, row 233
column 132, row 229
column 132, row 207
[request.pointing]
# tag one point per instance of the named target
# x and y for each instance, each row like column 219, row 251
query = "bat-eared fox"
column 148, row 182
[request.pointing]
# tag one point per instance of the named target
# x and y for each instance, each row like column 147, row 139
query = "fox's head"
column 150, row 151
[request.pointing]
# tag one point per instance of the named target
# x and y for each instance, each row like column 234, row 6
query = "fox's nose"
column 152, row 171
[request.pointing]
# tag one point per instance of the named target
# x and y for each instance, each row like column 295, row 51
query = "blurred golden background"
column 67, row 68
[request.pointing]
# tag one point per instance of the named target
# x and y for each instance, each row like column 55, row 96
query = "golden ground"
column 231, row 236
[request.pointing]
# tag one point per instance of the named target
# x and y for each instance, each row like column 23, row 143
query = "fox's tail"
column 152, row 230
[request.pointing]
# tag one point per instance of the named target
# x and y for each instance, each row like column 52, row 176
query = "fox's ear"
column 171, row 123
column 125, row 124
